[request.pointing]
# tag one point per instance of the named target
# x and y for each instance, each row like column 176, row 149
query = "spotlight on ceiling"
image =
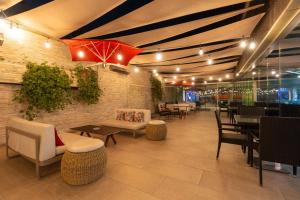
column 136, row 69
column 201, row 52
column 193, row 78
column 273, row 72
column 253, row 73
column 177, row 69
column 227, row 75
column 210, row 61
column 81, row 54
column 298, row 76
column 154, row 71
column 184, row 81
column 174, row 77
column 252, row 45
column 237, row 74
column 156, row 74
column 158, row 56
column 47, row 44
column 277, row 75
column 210, row 78
column 219, row 79
column 119, row 57
column 205, row 82
column 243, row 44
column 253, row 65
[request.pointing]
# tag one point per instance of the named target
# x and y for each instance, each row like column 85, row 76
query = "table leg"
column 81, row 133
column 113, row 138
column 106, row 140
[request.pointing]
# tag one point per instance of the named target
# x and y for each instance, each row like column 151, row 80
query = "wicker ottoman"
column 156, row 130
column 83, row 163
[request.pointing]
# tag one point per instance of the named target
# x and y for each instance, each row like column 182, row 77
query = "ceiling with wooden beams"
column 177, row 28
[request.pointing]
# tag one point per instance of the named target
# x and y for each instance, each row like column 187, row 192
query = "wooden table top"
column 101, row 130
column 247, row 120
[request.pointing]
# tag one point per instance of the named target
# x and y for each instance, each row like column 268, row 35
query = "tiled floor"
column 182, row 167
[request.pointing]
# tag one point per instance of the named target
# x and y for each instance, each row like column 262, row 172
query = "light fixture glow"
column 298, row 76
column 237, row 74
column 273, row 72
column 193, row 83
column 173, row 82
column 253, row 73
column 15, row 33
column 201, row 52
column 252, row 45
column 205, row 82
column 165, row 80
column 193, row 78
column 156, row 74
column 277, row 75
column 219, row 79
column 184, row 81
column 154, row 71
column 243, row 43
column 227, row 75
column 177, row 69
column 158, row 56
column 3, row 23
column 209, row 61
column 174, row 77
column 81, row 54
column 253, row 65
column 119, row 57
column 47, row 44
column 210, row 78
column 136, row 69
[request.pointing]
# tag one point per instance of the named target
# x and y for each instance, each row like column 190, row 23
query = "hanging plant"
column 44, row 88
column 156, row 89
column 88, row 88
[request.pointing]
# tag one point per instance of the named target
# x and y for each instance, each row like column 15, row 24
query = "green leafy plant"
column 88, row 88
column 156, row 89
column 44, row 88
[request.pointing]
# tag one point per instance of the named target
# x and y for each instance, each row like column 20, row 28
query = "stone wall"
column 119, row 90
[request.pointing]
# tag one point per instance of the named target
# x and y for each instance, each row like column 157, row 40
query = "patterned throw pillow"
column 129, row 116
column 120, row 115
column 139, row 117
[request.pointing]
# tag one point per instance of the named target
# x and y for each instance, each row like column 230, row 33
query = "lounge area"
column 149, row 100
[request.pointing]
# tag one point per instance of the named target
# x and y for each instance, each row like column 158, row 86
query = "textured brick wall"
column 119, row 90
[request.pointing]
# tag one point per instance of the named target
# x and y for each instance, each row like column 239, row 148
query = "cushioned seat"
column 124, row 124
column 233, row 137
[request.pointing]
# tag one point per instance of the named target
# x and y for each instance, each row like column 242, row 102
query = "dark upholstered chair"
column 231, row 135
column 279, row 141
column 251, row 111
column 163, row 111
column 289, row 110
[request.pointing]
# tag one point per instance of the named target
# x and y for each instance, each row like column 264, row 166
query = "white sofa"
column 36, row 141
column 128, row 125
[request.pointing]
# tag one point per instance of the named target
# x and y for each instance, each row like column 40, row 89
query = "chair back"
column 260, row 104
column 280, row 140
column 219, row 123
column 289, row 110
column 251, row 111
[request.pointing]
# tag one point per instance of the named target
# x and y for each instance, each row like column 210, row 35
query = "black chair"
column 279, row 141
column 251, row 111
column 233, row 137
column 289, row 110
column 163, row 111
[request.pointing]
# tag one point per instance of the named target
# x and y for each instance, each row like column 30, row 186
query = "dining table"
column 250, row 125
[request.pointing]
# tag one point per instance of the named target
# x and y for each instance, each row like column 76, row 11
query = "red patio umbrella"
column 104, row 51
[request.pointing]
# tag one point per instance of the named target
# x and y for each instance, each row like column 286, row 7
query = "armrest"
column 37, row 139
column 227, row 124
column 229, row 129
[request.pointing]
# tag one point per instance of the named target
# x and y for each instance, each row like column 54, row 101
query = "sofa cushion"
column 124, row 124
column 58, row 141
column 120, row 115
column 129, row 116
column 147, row 113
column 139, row 117
column 76, row 143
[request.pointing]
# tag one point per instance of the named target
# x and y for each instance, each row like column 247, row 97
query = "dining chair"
column 279, row 141
column 231, row 136
column 251, row 111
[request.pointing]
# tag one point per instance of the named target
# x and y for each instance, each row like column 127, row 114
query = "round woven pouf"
column 79, row 168
column 156, row 130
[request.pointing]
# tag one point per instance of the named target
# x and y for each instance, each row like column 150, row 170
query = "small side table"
column 156, row 130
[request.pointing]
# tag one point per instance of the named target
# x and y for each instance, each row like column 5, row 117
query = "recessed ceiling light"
column 193, row 83
column 219, row 79
column 178, row 69
column 119, row 57
column 154, row 71
column 158, row 56
column 174, row 77
column 210, row 61
column 201, row 52
column 227, row 75
column 184, row 81
column 253, row 73
column 252, row 45
column 210, row 78
column 136, row 69
column 193, row 78
column 81, row 54
column 205, row 82
column 273, row 72
column 237, row 74
column 47, row 44
column 243, row 44
column 253, row 66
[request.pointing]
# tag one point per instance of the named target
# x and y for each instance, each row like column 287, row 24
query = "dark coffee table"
column 100, row 130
